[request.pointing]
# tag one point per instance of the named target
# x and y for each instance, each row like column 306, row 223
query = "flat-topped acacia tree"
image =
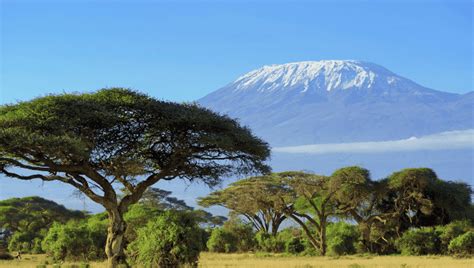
column 117, row 138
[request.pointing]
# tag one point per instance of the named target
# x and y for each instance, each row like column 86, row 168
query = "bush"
column 243, row 232
column 233, row 236
column 137, row 216
column 463, row 244
column 419, row 242
column 76, row 241
column 222, row 241
column 294, row 245
column 342, row 238
column 269, row 243
column 450, row 231
column 292, row 238
column 170, row 240
column 25, row 242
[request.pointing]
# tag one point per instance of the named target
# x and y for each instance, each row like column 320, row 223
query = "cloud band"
column 459, row 139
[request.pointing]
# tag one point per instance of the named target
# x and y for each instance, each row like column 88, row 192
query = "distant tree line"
column 379, row 216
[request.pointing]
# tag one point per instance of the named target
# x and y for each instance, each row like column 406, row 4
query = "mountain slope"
column 338, row 101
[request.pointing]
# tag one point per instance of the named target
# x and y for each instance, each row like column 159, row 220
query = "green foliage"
column 160, row 199
column 124, row 134
column 342, row 238
column 222, row 241
column 463, row 244
column 28, row 220
column 351, row 185
column 170, row 240
column 450, row 231
column 269, row 243
column 258, row 199
column 243, row 232
column 451, row 201
column 411, row 187
column 234, row 236
column 294, row 245
column 293, row 239
column 417, row 242
column 137, row 217
column 76, row 240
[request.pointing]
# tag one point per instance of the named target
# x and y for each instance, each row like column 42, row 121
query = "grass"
column 212, row 260
column 280, row 261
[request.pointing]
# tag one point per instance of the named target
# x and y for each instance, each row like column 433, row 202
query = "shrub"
column 244, row 234
column 75, row 241
column 294, row 245
column 463, row 244
column 170, row 240
column 450, row 231
column 342, row 238
column 26, row 242
column 222, row 241
column 233, row 236
column 419, row 242
column 269, row 243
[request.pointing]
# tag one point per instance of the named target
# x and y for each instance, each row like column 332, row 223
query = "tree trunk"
column 309, row 235
column 114, row 248
column 322, row 237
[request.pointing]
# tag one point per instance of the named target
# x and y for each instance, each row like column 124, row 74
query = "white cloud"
column 460, row 139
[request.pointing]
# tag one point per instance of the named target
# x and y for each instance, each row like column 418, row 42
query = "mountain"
column 335, row 101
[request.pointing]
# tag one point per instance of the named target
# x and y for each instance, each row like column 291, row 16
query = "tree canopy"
column 258, row 199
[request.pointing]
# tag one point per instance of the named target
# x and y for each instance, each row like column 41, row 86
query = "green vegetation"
column 463, row 244
column 171, row 239
column 77, row 240
column 25, row 221
column 234, row 236
column 416, row 242
column 361, row 216
column 342, row 238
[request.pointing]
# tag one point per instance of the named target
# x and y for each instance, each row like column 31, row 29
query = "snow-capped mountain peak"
column 315, row 75
column 337, row 101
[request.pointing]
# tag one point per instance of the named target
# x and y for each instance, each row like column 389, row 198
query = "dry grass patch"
column 214, row 260
column 281, row 261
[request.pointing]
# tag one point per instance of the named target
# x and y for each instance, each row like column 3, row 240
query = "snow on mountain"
column 338, row 101
column 330, row 75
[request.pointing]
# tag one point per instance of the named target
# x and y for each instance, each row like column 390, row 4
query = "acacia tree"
column 407, row 198
column 358, row 197
column 116, row 138
column 257, row 199
column 312, row 205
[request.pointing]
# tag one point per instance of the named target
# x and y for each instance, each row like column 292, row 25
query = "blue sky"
column 183, row 50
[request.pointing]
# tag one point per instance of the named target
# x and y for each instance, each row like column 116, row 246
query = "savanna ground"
column 280, row 261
